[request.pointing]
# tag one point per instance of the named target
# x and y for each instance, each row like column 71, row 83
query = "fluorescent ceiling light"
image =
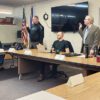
column 5, row 12
column 8, row 12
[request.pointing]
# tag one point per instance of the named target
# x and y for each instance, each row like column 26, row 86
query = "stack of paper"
column 59, row 57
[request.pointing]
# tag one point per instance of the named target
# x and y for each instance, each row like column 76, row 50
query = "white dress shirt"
column 85, row 35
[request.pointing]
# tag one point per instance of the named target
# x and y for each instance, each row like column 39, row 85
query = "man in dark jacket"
column 36, row 32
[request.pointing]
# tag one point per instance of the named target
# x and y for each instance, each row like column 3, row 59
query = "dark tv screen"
column 67, row 18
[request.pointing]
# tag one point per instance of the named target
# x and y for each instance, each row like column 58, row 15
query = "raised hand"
column 80, row 26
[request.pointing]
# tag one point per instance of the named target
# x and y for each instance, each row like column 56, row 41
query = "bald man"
column 60, row 45
column 90, row 35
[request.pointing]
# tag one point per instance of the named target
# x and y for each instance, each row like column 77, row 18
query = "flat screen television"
column 67, row 18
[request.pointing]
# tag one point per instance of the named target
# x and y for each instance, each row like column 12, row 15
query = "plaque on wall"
column 7, row 20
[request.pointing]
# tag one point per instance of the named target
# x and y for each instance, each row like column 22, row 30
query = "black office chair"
column 0, row 44
column 16, row 46
column 2, row 55
column 70, row 46
column 2, row 58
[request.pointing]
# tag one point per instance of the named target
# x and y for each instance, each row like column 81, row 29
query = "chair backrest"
column 0, row 44
column 70, row 46
column 6, row 46
column 2, row 58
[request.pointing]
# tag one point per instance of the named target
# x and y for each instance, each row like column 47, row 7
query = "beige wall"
column 42, row 7
column 7, row 9
column 7, row 32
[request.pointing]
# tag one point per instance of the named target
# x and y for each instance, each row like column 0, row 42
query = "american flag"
column 24, row 30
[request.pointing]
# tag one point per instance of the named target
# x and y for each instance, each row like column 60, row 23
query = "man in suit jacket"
column 90, row 35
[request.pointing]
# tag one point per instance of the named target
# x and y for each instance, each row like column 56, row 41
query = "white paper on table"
column 83, row 56
column 59, row 57
column 42, row 95
column 1, row 50
column 28, row 52
column 11, row 50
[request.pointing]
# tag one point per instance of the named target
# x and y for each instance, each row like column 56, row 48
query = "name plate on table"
column 1, row 50
column 11, row 50
column 28, row 52
column 75, row 80
column 60, row 57
column 42, row 95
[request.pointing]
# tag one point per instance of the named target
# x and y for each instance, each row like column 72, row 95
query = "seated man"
column 60, row 45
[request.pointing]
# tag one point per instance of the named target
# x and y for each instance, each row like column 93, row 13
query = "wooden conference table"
column 27, row 62
column 89, row 90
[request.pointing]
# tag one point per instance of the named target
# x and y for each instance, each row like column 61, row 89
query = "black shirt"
column 62, row 46
column 37, row 33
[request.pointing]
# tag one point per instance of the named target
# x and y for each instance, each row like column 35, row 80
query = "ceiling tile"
column 16, row 3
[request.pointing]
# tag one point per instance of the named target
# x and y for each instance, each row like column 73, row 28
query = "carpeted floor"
column 12, row 88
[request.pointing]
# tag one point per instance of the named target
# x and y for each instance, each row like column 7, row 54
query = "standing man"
column 36, row 37
column 90, row 35
column 36, row 32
